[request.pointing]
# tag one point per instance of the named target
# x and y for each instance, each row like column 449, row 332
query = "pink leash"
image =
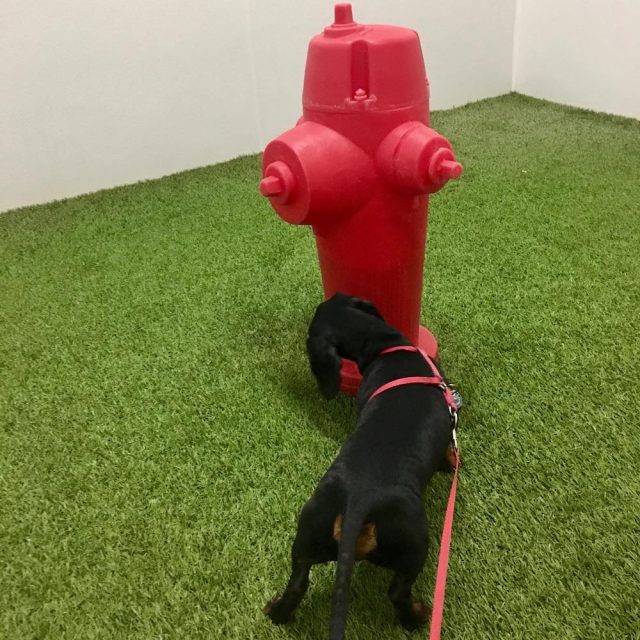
column 437, row 611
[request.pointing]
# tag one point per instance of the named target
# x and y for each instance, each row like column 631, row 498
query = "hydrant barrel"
column 359, row 167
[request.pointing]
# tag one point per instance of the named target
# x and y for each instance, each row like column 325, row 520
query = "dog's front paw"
column 414, row 617
column 276, row 610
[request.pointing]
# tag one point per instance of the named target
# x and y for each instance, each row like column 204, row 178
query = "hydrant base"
column 350, row 377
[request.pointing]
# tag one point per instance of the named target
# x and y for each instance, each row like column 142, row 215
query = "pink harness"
column 436, row 380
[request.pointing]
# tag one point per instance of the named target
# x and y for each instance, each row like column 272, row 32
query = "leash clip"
column 454, row 438
column 454, row 417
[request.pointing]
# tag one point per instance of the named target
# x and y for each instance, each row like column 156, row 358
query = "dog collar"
column 451, row 395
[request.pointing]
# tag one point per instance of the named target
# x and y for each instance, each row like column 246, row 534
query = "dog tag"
column 457, row 398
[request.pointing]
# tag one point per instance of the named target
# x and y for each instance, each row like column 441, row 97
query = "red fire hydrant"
column 359, row 165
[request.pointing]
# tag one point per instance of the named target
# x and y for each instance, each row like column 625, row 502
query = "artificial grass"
column 161, row 430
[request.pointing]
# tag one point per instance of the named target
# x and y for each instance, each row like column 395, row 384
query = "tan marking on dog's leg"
column 367, row 540
column 420, row 611
column 337, row 528
column 267, row 607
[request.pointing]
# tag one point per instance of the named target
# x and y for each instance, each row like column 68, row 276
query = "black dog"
column 369, row 504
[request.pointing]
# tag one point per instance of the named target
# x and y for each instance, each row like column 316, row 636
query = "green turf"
column 160, row 428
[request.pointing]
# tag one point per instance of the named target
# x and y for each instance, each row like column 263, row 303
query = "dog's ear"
column 325, row 365
column 367, row 307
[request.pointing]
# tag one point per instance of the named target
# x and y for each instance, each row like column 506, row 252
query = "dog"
column 369, row 504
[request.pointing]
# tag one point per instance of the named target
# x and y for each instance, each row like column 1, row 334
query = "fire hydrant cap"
column 383, row 63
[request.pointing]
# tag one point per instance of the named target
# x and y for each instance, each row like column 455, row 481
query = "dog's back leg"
column 280, row 609
column 314, row 544
column 402, row 540
column 411, row 613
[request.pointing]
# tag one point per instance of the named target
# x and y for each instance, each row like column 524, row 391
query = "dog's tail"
column 351, row 526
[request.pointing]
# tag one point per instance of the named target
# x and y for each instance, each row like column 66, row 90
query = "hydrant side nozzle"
column 414, row 158
column 313, row 175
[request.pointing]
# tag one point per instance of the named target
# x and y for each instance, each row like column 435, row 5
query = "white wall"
column 99, row 93
column 584, row 53
column 105, row 92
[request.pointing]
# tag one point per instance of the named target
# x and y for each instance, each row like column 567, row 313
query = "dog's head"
column 342, row 327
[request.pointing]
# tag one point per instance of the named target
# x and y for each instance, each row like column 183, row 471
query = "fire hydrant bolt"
column 271, row 186
column 278, row 183
column 343, row 14
column 450, row 169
